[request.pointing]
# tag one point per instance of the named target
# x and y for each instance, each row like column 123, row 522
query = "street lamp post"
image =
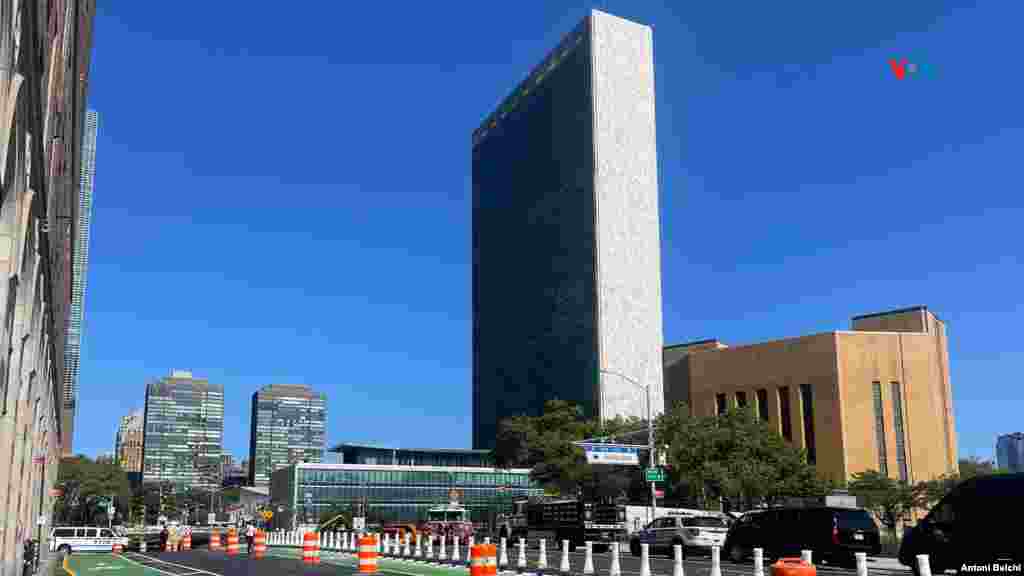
column 650, row 432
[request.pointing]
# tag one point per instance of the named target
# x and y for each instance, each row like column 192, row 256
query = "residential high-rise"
column 566, row 250
column 288, row 426
column 184, row 431
column 1010, row 452
column 79, row 278
column 128, row 446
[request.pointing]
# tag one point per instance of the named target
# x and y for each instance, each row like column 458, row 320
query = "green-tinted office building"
column 183, row 431
column 302, row 492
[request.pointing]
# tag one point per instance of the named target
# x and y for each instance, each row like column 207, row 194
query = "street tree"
column 734, row 458
column 890, row 500
column 87, row 488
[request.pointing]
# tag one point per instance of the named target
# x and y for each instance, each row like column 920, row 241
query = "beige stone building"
column 128, row 446
column 876, row 397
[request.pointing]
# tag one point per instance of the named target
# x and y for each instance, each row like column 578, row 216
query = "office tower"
column 128, row 446
column 566, row 255
column 184, row 430
column 1010, row 452
column 288, row 426
column 79, row 277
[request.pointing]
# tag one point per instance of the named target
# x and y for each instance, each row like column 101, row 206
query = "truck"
column 448, row 520
column 555, row 519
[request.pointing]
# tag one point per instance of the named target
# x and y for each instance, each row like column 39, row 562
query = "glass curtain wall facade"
column 288, row 426
column 184, row 431
column 534, row 234
column 1010, row 452
column 363, row 454
column 393, row 493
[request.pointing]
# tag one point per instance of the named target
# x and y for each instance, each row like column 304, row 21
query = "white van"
column 84, row 539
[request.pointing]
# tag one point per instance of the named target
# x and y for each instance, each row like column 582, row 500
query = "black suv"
column 833, row 534
column 971, row 524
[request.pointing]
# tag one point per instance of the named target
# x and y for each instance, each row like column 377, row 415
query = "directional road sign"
column 655, row 474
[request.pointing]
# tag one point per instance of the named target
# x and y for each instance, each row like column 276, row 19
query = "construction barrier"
column 477, row 560
column 214, row 540
column 116, row 549
column 232, row 548
column 310, row 548
column 259, row 544
column 793, row 567
column 491, row 566
column 367, row 555
column 186, row 541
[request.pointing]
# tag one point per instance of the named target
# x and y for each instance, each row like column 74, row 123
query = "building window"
column 807, row 404
column 784, row 416
column 720, row 403
column 741, row 399
column 897, row 413
column 762, row 405
column 883, row 466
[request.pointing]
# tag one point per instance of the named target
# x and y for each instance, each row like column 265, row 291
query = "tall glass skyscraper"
column 184, row 431
column 79, row 277
column 1010, row 452
column 566, row 249
column 288, row 426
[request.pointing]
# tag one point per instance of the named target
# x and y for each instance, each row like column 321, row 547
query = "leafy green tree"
column 890, row 500
column 734, row 458
column 88, row 487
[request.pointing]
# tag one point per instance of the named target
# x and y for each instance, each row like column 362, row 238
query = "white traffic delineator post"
column 455, row 548
column 615, row 570
column 716, row 561
column 521, row 563
column 430, row 547
column 487, row 539
column 563, row 567
column 321, row 541
column 469, row 549
column 588, row 562
column 923, row 567
column 503, row 554
column 806, row 555
column 677, row 560
column 442, row 555
column 758, row 562
column 408, row 546
column 542, row 561
column 418, row 552
column 142, row 543
column 862, row 563
column 645, row 560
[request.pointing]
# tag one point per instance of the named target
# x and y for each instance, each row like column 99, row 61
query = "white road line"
column 192, row 568
column 145, row 567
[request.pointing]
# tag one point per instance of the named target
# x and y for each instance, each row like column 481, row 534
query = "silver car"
column 691, row 532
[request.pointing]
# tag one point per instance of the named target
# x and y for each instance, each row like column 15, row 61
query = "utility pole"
column 650, row 434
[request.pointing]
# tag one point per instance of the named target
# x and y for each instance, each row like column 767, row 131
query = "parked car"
column 965, row 526
column 84, row 539
column 690, row 532
column 834, row 534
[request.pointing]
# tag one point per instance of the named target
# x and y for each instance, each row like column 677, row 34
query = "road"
column 286, row 561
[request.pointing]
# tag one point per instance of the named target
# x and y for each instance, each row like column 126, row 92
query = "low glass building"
column 304, row 493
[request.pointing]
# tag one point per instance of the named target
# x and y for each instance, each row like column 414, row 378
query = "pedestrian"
column 164, row 534
column 250, row 536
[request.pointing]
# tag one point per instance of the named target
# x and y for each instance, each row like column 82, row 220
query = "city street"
column 286, row 561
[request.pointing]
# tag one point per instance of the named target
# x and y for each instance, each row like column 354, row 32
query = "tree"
column 545, row 444
column 734, row 458
column 890, row 500
column 88, row 487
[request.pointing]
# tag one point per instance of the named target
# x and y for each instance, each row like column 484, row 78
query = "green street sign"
column 655, row 474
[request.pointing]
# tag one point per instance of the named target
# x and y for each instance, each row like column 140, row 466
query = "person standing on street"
column 250, row 536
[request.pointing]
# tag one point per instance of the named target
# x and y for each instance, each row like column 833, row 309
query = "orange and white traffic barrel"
column 477, row 560
column 116, row 549
column 367, row 555
column 232, row 542
column 309, row 543
column 186, row 541
column 214, row 540
column 259, row 544
column 491, row 565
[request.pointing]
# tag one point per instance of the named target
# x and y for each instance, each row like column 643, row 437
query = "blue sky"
column 283, row 196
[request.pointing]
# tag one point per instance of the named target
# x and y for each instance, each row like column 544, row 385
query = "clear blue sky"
column 283, row 195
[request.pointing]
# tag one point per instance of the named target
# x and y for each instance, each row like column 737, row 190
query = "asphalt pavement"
column 286, row 561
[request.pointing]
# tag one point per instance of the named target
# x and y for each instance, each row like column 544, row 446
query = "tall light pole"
column 650, row 431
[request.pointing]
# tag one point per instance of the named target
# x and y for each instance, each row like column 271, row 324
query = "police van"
column 84, row 539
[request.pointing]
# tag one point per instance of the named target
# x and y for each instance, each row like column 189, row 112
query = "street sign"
column 611, row 454
column 267, row 514
column 655, row 474
column 659, row 493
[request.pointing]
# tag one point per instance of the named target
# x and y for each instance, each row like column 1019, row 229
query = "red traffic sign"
column 659, row 493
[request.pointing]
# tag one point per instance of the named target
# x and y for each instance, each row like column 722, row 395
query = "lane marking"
column 144, row 567
column 176, row 565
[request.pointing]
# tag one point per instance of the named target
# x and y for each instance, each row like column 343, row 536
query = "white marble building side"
column 626, row 189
